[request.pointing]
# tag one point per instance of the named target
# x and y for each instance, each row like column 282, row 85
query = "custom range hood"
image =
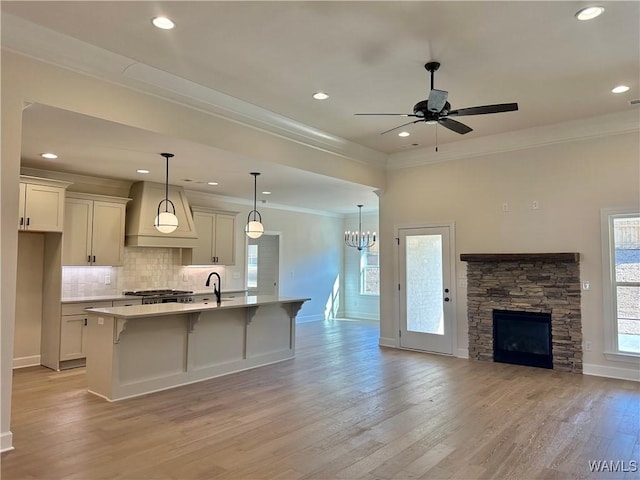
column 143, row 209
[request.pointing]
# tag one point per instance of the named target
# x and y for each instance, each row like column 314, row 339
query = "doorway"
column 263, row 260
column 427, row 313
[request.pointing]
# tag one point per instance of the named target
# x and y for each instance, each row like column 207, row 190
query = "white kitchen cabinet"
column 216, row 238
column 93, row 230
column 41, row 204
column 73, row 323
column 72, row 329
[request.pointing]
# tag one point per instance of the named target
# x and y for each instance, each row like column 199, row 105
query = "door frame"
column 275, row 233
column 454, row 279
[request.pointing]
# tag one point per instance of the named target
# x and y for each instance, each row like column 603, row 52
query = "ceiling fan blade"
column 457, row 127
column 400, row 126
column 484, row 109
column 437, row 100
column 393, row 114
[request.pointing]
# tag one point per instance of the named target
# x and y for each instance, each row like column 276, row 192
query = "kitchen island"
column 139, row 349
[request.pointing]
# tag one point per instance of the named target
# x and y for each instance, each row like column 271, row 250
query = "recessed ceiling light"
column 142, row 170
column 320, row 96
column 404, row 134
column 49, row 155
column 620, row 89
column 589, row 13
column 212, row 183
column 164, row 23
column 266, row 193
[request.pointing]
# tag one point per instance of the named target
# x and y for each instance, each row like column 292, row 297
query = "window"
column 252, row 266
column 621, row 259
column 369, row 272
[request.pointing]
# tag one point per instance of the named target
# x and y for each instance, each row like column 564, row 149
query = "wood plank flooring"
column 345, row 408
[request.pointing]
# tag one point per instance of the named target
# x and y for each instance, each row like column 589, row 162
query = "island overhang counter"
column 140, row 349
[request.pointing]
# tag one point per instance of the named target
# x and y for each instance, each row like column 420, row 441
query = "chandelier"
column 359, row 239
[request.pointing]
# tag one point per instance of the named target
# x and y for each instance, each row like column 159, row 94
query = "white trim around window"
column 610, row 314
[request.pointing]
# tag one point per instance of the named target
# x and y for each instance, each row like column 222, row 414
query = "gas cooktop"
column 164, row 291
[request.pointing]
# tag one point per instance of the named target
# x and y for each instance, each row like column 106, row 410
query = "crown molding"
column 26, row 38
column 204, row 199
column 600, row 126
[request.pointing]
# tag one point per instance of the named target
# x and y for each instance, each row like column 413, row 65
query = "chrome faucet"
column 217, row 291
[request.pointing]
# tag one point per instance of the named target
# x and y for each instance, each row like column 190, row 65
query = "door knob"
column 446, row 299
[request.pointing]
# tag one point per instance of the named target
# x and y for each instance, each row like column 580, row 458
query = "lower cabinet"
column 73, row 325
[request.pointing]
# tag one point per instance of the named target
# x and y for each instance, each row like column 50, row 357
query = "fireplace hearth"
column 522, row 338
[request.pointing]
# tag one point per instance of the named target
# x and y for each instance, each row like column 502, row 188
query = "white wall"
column 570, row 181
column 29, row 284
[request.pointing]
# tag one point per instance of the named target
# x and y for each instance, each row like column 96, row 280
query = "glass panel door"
column 426, row 298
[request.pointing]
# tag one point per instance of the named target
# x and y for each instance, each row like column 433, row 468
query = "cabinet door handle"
column 21, row 221
column 94, row 259
column 28, row 218
column 88, row 258
column 85, row 322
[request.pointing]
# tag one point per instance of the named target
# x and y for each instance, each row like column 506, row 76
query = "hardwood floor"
column 343, row 409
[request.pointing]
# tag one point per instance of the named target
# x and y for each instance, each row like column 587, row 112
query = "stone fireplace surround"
column 530, row 282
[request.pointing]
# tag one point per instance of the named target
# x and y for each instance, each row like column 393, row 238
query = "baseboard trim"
column 462, row 353
column 6, row 441
column 310, row 318
column 387, row 342
column 23, row 362
column 632, row 374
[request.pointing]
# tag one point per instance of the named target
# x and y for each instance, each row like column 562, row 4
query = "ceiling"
column 368, row 56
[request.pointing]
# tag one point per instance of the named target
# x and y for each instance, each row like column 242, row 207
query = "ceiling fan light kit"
column 437, row 110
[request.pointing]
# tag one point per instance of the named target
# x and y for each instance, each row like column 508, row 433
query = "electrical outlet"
column 587, row 345
column 107, row 279
column 534, row 205
column 100, row 321
column 586, row 285
column 185, row 277
column 505, row 207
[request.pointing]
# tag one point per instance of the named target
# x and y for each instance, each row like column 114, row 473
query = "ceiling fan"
column 436, row 109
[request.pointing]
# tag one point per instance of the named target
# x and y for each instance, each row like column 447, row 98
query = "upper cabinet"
column 93, row 230
column 41, row 204
column 216, row 238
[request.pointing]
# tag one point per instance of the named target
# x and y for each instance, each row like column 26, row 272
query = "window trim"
column 361, row 268
column 611, row 351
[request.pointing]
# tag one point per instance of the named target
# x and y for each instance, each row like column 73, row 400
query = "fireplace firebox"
column 522, row 338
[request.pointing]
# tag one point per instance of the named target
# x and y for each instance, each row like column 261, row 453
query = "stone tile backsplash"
column 143, row 269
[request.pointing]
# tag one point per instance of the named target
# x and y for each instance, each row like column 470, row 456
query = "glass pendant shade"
column 166, row 222
column 254, row 227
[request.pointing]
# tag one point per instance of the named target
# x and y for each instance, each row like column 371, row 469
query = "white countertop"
column 159, row 309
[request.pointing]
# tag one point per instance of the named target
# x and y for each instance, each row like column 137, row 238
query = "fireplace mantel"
column 520, row 257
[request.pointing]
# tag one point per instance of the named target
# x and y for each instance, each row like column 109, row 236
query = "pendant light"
column 166, row 221
column 359, row 239
column 254, row 228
